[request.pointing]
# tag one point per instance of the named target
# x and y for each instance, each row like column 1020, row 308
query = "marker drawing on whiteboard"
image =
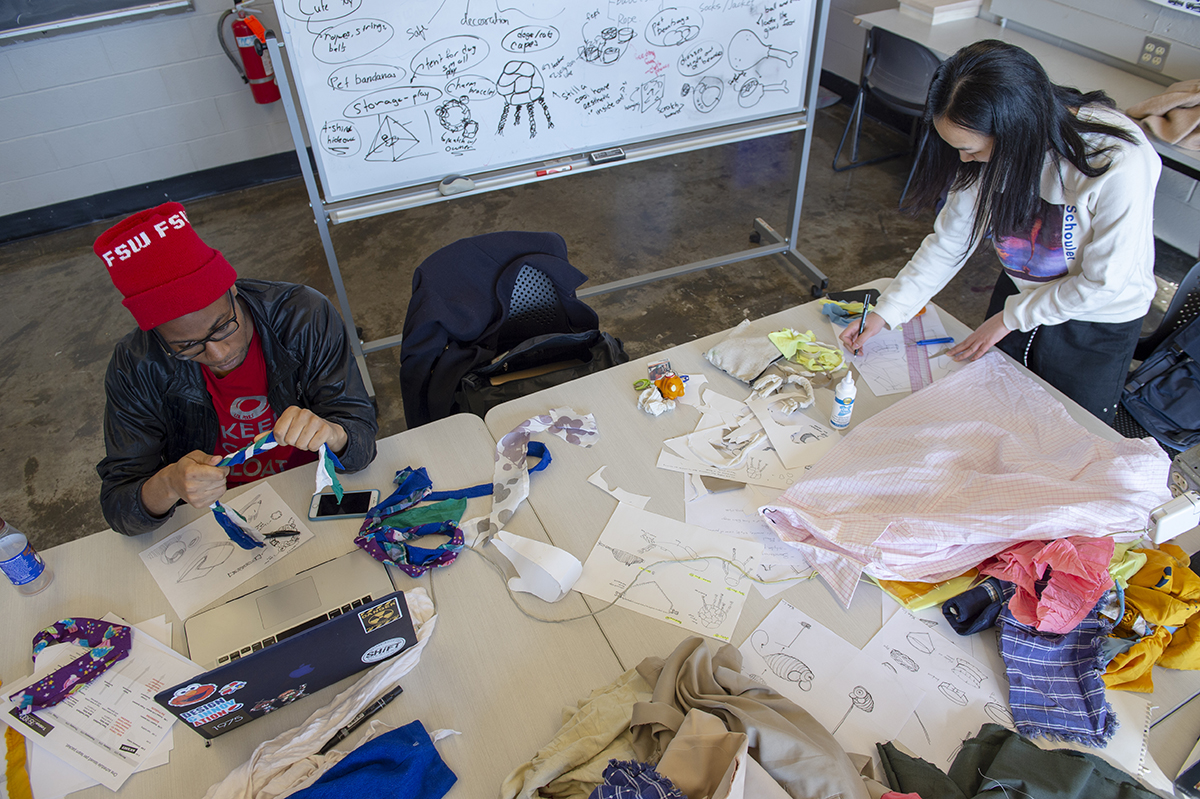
column 554, row 170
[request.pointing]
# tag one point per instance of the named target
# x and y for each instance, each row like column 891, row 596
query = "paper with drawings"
column 50, row 777
column 107, row 728
column 799, row 440
column 735, row 514
column 884, row 363
column 705, row 596
column 961, row 693
column 859, row 702
column 199, row 564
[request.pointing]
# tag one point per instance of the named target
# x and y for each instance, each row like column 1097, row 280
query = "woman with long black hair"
column 1063, row 184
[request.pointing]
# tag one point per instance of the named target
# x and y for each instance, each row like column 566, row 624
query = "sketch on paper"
column 198, row 564
column 657, row 585
column 406, row 92
column 861, row 699
column 892, row 362
column 820, row 671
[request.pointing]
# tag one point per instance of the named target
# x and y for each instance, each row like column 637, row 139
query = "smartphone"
column 354, row 504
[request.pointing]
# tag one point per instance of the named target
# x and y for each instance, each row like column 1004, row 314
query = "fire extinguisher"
column 255, row 63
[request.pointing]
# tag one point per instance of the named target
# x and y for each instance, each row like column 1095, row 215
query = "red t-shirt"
column 243, row 412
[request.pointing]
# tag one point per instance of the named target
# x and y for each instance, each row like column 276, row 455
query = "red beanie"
column 161, row 266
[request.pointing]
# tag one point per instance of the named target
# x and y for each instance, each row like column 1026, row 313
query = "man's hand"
column 851, row 338
column 303, row 429
column 195, row 478
column 974, row 346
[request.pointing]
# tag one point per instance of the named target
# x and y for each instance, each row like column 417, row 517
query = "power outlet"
column 1153, row 54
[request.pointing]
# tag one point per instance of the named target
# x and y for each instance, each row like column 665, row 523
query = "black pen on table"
column 364, row 714
column 862, row 322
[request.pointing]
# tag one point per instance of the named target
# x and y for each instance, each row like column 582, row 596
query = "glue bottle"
column 843, row 402
column 23, row 567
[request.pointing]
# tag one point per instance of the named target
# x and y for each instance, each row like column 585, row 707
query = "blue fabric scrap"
column 629, row 779
column 401, row 764
column 1055, row 682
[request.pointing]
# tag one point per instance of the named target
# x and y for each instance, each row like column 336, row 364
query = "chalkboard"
column 398, row 93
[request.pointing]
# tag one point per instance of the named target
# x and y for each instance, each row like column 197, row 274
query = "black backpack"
column 1163, row 393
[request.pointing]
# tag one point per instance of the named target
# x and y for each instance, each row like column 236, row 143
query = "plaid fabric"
column 1055, row 682
column 629, row 779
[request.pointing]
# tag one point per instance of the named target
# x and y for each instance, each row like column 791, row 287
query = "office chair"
column 896, row 72
column 1183, row 308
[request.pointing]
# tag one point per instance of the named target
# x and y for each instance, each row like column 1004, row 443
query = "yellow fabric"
column 804, row 349
column 1126, row 562
column 15, row 773
column 1166, row 593
column 918, row 596
column 853, row 308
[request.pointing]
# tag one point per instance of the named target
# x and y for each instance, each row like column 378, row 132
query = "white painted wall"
column 120, row 106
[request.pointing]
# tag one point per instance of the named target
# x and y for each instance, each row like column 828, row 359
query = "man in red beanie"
column 215, row 363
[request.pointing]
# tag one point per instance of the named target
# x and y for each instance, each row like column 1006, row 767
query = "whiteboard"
column 397, row 93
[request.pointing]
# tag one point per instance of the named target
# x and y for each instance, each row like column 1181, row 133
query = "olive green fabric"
column 999, row 764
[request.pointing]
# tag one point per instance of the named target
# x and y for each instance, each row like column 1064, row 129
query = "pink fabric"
column 959, row 472
column 894, row 795
column 1078, row 578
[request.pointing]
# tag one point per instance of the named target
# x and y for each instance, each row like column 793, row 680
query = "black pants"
column 1087, row 361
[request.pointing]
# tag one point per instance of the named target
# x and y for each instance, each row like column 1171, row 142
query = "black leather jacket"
column 158, row 408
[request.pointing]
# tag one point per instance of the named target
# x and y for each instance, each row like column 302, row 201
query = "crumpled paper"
column 652, row 402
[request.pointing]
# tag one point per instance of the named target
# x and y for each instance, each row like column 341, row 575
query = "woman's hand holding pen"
column 854, row 340
column 983, row 339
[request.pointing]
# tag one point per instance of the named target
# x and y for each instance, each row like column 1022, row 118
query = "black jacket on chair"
column 460, row 304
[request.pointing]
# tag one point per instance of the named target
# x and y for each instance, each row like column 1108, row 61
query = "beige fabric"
column 789, row 743
column 1174, row 115
column 700, row 759
column 572, row 764
column 744, row 354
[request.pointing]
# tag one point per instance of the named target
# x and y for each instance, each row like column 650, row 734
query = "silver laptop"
column 263, row 617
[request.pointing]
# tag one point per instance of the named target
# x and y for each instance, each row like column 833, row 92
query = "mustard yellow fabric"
column 1166, row 594
column 15, row 773
column 918, row 596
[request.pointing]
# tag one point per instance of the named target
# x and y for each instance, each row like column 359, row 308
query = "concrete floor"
column 61, row 314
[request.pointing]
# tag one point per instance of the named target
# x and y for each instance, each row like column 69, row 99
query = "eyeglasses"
column 188, row 350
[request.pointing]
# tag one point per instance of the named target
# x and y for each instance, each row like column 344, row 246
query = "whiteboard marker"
column 554, row 170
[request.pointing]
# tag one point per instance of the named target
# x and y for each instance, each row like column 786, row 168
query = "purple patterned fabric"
column 109, row 643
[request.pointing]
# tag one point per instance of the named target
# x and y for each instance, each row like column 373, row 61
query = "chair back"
column 534, row 308
column 1184, row 307
column 898, row 71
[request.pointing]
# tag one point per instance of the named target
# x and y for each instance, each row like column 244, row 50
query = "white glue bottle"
column 23, row 567
column 843, row 402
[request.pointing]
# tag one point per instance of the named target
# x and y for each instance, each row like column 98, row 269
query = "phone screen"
column 354, row 503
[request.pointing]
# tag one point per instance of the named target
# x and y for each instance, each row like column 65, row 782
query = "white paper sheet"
column 884, row 362
column 961, row 693
column 801, row 441
column 735, row 514
column 199, row 564
column 542, row 569
column 50, row 777
column 859, row 702
column 705, row 596
column 107, row 728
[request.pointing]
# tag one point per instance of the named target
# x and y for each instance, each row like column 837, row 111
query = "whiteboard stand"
column 772, row 241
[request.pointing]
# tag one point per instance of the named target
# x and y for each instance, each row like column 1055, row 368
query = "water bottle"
column 843, row 402
column 24, row 568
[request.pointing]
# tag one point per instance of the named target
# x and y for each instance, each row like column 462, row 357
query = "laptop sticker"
column 233, row 687
column 191, row 694
column 212, row 711
column 383, row 650
column 380, row 615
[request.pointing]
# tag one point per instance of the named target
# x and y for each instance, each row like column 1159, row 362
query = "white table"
column 1063, row 66
column 485, row 671
column 574, row 513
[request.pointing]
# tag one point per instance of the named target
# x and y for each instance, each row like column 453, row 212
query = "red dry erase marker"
column 554, row 170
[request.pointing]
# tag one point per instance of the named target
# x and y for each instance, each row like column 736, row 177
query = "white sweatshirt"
column 1089, row 257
